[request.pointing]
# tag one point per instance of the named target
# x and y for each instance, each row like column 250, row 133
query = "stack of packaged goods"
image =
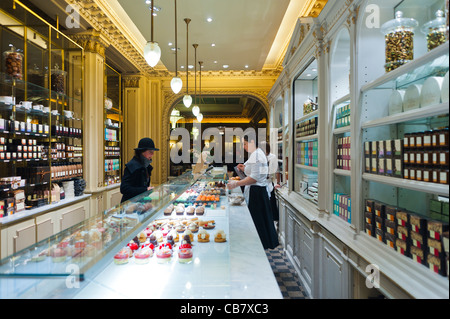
column 343, row 206
column 343, row 116
column 343, row 159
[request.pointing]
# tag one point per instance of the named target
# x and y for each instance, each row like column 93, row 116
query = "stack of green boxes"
column 439, row 210
column 343, row 116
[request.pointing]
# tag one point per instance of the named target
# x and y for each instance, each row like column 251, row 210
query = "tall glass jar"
column 435, row 31
column 399, row 34
column 58, row 79
column 14, row 63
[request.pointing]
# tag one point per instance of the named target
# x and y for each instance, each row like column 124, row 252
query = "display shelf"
column 408, row 116
column 307, row 138
column 41, row 104
column 430, row 188
column 309, row 168
column 342, row 172
column 307, row 116
column 427, row 65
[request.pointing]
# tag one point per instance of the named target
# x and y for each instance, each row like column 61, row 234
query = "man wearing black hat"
column 138, row 171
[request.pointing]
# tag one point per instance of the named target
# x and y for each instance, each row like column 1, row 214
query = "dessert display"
column 122, row 257
column 203, row 236
column 188, row 233
column 142, row 256
column 190, row 210
column 168, row 211
column 164, row 253
column 39, row 257
column 209, row 225
column 179, row 210
column 193, row 227
column 185, row 254
column 200, row 211
column 220, row 236
column 58, row 255
column 58, row 80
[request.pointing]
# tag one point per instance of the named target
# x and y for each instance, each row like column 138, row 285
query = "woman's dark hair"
column 137, row 154
column 247, row 139
column 265, row 147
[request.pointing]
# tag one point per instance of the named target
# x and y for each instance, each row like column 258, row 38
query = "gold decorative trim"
column 131, row 81
column 91, row 41
column 313, row 8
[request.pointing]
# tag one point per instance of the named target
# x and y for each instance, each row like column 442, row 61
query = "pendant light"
column 200, row 115
column 152, row 51
column 195, row 109
column 187, row 100
column 176, row 84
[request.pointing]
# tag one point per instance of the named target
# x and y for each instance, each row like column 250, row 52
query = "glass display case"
column 41, row 138
column 404, row 119
column 113, row 119
column 306, row 143
column 50, row 268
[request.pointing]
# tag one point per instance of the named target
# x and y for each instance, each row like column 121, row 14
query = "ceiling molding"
column 313, row 8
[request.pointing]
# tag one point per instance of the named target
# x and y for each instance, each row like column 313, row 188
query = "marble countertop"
column 236, row 269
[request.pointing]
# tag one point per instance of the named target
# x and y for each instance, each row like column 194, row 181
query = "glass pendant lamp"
column 176, row 84
column 195, row 109
column 200, row 117
column 152, row 51
column 187, row 100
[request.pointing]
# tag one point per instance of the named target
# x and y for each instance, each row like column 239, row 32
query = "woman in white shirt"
column 256, row 193
column 271, row 178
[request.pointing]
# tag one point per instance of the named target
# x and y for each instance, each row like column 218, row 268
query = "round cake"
column 209, row 225
column 143, row 256
column 121, row 257
column 203, row 236
column 220, row 236
column 164, row 253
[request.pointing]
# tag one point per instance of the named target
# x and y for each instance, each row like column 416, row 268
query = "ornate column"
column 94, row 44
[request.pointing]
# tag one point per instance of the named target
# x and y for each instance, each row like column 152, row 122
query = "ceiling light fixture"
column 152, row 51
column 209, row 19
column 200, row 115
column 195, row 109
column 187, row 100
column 226, row 66
column 176, row 84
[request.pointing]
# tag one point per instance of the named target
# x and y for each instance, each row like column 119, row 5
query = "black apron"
column 273, row 205
column 261, row 212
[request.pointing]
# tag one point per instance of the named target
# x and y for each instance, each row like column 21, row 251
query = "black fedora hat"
column 146, row 144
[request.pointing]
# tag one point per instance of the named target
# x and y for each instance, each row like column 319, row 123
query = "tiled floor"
column 285, row 274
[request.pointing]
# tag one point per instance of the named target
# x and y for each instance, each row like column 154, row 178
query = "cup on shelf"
column 6, row 99
column 38, row 107
column 70, row 114
column 46, row 109
column 26, row 105
column 55, row 112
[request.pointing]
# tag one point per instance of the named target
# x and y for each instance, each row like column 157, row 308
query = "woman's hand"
column 241, row 167
column 150, row 188
column 232, row 185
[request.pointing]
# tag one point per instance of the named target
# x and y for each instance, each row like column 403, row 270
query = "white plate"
column 431, row 91
column 412, row 97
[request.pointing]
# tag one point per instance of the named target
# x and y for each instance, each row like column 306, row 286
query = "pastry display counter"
column 80, row 263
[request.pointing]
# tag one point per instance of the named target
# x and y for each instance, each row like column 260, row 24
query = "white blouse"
column 257, row 168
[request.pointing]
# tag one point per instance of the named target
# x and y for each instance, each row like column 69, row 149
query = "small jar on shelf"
column 435, row 31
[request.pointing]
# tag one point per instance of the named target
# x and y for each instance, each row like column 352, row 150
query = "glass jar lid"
column 436, row 24
column 57, row 70
column 399, row 24
column 13, row 50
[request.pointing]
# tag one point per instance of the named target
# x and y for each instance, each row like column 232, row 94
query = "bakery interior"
column 352, row 95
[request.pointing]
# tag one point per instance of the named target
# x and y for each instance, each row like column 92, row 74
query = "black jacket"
column 135, row 180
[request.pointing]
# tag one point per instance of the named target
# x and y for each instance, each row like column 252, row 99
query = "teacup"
column 26, row 104
column 68, row 113
column 55, row 112
column 46, row 109
column 38, row 107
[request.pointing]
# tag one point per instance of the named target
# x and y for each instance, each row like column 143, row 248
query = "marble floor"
column 285, row 274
